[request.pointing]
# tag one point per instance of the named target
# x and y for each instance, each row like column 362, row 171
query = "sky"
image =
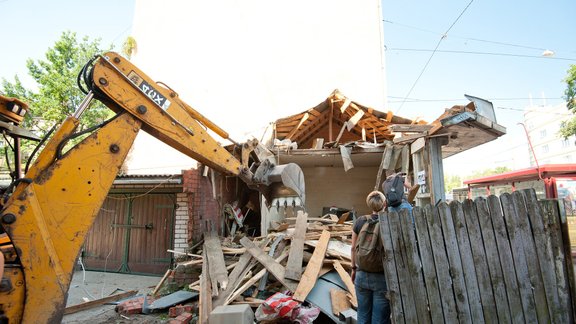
column 435, row 52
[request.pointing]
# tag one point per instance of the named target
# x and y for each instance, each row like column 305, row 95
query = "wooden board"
column 442, row 267
column 493, row 260
column 544, row 251
column 427, row 259
column 98, row 302
column 347, row 281
column 533, row 266
column 308, row 279
column 519, row 257
column 275, row 268
column 405, row 283
column 552, row 220
column 205, row 301
column 455, row 263
column 489, row 309
column 294, row 265
column 506, row 260
column 216, row 264
column 339, row 301
column 392, row 282
column 413, row 265
column 468, row 268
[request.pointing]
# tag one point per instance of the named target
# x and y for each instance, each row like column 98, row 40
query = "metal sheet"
column 320, row 295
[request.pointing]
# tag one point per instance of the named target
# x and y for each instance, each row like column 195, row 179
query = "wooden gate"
column 501, row 259
column 132, row 234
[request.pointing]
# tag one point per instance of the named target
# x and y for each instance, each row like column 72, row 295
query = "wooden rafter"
column 311, row 124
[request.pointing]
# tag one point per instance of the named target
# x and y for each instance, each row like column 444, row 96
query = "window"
column 543, row 133
column 545, row 148
column 565, row 143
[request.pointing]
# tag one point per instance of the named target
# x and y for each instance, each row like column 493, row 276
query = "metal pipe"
column 84, row 104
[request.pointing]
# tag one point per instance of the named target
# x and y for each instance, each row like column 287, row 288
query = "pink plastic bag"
column 280, row 305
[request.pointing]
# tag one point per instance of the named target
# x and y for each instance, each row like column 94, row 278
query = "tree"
column 568, row 128
column 452, row 181
column 58, row 94
column 488, row 172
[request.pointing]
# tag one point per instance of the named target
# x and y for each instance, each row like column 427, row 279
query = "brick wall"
column 181, row 223
column 203, row 208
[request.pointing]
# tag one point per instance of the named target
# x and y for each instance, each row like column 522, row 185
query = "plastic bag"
column 280, row 306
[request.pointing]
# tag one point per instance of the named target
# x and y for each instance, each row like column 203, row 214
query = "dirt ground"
column 95, row 285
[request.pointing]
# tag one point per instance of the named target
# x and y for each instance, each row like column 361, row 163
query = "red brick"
column 179, row 310
column 183, row 318
column 132, row 306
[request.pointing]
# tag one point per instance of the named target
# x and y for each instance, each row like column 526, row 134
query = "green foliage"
column 570, row 92
column 129, row 47
column 451, row 182
column 488, row 172
column 568, row 128
column 57, row 94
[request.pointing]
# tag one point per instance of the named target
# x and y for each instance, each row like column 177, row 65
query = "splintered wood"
column 292, row 257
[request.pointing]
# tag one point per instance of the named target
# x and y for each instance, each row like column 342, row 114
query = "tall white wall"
column 243, row 64
column 543, row 124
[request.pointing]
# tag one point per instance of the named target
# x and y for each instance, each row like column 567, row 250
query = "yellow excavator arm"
column 46, row 218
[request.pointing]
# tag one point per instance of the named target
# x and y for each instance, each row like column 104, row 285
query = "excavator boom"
column 48, row 215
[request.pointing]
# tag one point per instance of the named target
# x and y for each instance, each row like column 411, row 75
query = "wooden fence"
column 501, row 259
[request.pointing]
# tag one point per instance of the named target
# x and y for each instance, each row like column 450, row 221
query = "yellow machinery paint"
column 52, row 209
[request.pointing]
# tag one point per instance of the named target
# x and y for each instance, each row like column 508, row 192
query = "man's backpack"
column 393, row 188
column 369, row 248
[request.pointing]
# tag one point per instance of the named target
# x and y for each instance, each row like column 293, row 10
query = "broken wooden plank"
column 310, row 275
column 275, row 268
column 379, row 173
column 408, row 138
column 216, row 264
column 343, row 218
column 405, row 159
column 339, row 301
column 319, row 143
column 347, row 282
column 252, row 280
column 205, row 300
column 408, row 128
column 294, row 265
column 98, row 302
column 161, row 282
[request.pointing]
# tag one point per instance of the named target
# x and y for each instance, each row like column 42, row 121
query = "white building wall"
column 543, row 124
column 243, row 64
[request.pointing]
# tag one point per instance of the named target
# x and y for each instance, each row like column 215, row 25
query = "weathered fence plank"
column 414, row 267
column 533, row 266
column 468, row 269
column 493, row 260
column 428, row 268
column 405, row 281
column 506, row 260
column 551, row 215
column 442, row 267
column 453, row 253
column 392, row 281
column 513, row 225
column 497, row 260
column 544, row 253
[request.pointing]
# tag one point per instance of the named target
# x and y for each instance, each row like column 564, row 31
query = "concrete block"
column 237, row 314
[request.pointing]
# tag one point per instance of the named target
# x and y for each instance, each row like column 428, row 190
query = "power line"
column 432, row 55
column 416, row 100
column 481, row 53
column 466, row 38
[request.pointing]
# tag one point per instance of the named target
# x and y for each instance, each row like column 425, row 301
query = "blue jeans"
column 373, row 306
